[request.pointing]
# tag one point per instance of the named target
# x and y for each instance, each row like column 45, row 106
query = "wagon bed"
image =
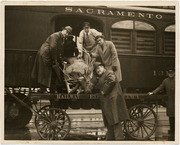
column 52, row 121
column 143, row 98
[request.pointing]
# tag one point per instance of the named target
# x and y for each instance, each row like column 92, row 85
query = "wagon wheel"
column 143, row 122
column 16, row 115
column 52, row 123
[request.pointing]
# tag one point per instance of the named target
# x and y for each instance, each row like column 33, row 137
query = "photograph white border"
column 90, row 3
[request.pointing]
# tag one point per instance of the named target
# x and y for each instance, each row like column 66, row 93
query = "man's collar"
column 88, row 32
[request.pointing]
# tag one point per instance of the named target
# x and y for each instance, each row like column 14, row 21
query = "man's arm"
column 80, row 42
column 114, row 56
column 161, row 87
column 95, row 32
column 158, row 89
column 95, row 53
column 109, row 83
column 53, row 41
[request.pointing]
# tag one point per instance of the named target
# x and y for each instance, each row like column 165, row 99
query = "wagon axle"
column 53, row 124
column 140, row 121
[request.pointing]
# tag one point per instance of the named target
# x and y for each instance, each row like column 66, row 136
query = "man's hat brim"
column 98, row 64
column 68, row 31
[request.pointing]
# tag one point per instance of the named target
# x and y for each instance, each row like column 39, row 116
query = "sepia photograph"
column 90, row 72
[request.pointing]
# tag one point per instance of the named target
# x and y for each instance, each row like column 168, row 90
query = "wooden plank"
column 169, row 48
column 121, row 31
column 169, row 41
column 122, row 43
column 169, row 45
column 120, row 35
column 121, row 38
column 145, row 33
column 145, row 39
column 169, row 51
column 122, row 46
column 146, row 49
column 146, row 44
column 121, row 50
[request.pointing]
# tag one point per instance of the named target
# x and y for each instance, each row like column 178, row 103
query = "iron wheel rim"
column 52, row 123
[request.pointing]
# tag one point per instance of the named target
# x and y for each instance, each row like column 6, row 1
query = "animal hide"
column 80, row 73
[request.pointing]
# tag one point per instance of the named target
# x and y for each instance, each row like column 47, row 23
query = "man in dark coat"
column 48, row 55
column 108, row 54
column 168, row 85
column 113, row 104
column 69, row 48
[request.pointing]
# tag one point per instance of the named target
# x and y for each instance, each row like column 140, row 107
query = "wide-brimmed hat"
column 96, row 64
column 69, row 29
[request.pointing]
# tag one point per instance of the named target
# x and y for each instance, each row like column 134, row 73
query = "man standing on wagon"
column 86, row 42
column 108, row 54
column 48, row 55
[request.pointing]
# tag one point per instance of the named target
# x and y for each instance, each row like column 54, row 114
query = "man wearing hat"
column 108, row 54
column 86, row 42
column 168, row 85
column 112, row 101
column 48, row 55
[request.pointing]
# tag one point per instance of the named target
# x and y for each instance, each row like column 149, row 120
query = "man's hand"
column 102, row 93
column 150, row 93
column 79, row 55
column 93, row 55
column 114, row 68
column 55, row 62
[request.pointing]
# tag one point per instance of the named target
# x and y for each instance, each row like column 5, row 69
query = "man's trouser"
column 114, row 132
column 172, row 127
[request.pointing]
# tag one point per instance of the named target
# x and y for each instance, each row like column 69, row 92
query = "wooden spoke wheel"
column 16, row 115
column 52, row 123
column 143, row 122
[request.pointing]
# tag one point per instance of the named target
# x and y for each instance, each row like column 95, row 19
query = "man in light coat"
column 112, row 101
column 86, row 42
column 108, row 54
column 168, row 85
column 48, row 55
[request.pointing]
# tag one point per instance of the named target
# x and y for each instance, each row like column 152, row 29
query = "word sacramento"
column 113, row 13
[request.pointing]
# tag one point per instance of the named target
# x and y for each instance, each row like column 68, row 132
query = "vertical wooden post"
column 29, row 74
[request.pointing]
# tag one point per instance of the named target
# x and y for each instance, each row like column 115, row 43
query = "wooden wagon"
column 52, row 122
